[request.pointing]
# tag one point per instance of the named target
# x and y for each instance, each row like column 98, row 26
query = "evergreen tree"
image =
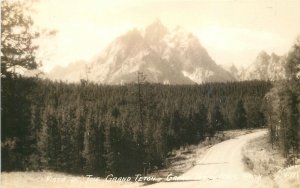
column 176, row 129
column 292, row 92
column 202, row 121
column 294, row 126
column 100, row 152
column 89, row 146
column 54, row 143
column 216, row 120
column 199, row 124
column 42, row 142
column 17, row 48
column 240, row 117
column 78, row 140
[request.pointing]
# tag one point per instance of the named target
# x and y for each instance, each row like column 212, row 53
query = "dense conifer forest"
column 88, row 128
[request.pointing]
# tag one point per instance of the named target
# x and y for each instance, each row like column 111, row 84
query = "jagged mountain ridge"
column 170, row 57
column 265, row 67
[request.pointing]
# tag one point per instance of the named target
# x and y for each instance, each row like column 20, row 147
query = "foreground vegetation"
column 269, row 163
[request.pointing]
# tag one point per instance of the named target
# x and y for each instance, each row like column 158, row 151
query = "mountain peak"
column 263, row 54
column 233, row 68
column 155, row 31
column 262, row 58
column 157, row 23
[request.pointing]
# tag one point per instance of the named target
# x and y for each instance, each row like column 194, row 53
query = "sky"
column 232, row 31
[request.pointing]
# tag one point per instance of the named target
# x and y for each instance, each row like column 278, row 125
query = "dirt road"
column 221, row 166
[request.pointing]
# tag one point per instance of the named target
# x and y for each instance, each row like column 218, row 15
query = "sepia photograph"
column 150, row 94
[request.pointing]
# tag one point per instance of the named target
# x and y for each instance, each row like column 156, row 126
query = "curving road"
column 221, row 166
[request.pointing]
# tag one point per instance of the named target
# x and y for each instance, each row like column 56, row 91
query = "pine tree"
column 294, row 126
column 293, row 92
column 54, row 143
column 240, row 117
column 216, row 120
column 201, row 121
column 17, row 47
column 109, row 154
column 140, row 98
column 89, row 149
column 100, row 152
column 176, row 129
column 78, row 140
column 42, row 142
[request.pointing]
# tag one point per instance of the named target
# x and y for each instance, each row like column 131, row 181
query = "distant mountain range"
column 164, row 56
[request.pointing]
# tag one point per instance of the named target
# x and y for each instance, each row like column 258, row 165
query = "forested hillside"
column 96, row 129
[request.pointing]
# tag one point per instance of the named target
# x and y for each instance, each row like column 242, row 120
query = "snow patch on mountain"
column 198, row 75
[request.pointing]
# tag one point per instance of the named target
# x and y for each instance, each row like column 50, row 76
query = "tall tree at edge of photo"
column 17, row 47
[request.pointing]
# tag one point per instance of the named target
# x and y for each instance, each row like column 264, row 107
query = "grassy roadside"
column 263, row 160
